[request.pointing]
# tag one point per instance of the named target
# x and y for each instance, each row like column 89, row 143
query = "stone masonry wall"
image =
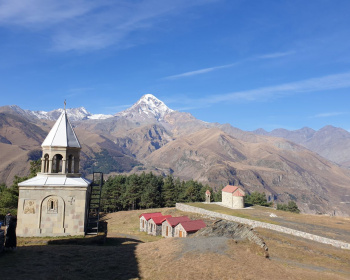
column 252, row 223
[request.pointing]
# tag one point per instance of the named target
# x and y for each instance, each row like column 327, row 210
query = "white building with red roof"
column 170, row 223
column 183, row 229
column 233, row 197
column 145, row 217
column 155, row 225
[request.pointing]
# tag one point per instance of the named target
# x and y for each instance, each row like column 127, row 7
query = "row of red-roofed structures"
column 168, row 226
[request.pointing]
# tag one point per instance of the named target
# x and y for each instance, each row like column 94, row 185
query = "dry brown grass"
column 298, row 252
column 170, row 258
column 130, row 254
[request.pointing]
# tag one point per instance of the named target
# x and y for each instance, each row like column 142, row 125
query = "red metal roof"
column 229, row 189
column 173, row 221
column 190, row 226
column 238, row 193
column 160, row 219
column 148, row 216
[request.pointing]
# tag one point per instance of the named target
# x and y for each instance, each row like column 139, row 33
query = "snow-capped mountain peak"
column 74, row 114
column 148, row 107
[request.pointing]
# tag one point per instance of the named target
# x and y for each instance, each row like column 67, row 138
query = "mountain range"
column 331, row 142
column 307, row 166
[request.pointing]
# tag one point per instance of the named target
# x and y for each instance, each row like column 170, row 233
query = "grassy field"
column 130, row 254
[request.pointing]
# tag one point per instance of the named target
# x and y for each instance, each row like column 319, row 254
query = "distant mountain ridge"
column 74, row 114
column 147, row 108
column 149, row 136
column 331, row 142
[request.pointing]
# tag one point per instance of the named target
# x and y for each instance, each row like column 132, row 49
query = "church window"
column 52, row 206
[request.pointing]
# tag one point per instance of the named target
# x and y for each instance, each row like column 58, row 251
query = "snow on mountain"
column 147, row 108
column 99, row 117
column 74, row 114
column 78, row 114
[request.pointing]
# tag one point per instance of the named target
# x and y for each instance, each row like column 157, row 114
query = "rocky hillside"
column 331, row 142
column 149, row 136
column 281, row 169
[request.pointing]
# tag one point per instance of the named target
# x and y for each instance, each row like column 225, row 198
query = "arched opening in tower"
column 57, row 163
column 70, row 167
column 46, row 163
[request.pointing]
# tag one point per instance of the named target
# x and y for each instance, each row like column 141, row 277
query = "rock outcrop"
column 228, row 229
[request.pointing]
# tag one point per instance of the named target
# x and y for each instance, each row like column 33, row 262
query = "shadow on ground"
column 75, row 258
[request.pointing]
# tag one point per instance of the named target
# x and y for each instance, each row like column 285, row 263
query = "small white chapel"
column 55, row 202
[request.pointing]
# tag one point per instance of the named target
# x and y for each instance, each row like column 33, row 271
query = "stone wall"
column 235, row 202
column 335, row 243
column 51, row 211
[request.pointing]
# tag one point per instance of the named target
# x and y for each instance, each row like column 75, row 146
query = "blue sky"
column 252, row 64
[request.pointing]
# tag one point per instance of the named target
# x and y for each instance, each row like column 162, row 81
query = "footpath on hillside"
column 333, row 233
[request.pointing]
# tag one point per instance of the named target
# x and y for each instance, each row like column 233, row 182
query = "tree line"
column 139, row 191
column 147, row 190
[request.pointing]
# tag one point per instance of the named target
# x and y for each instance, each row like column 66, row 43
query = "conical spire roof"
column 62, row 134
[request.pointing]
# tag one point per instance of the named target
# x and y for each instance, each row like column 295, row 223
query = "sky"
column 254, row 64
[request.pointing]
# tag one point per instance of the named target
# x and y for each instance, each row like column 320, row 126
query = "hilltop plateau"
column 130, row 254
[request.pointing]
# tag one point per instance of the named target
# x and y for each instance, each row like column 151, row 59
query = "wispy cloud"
column 34, row 13
column 210, row 69
column 275, row 55
column 78, row 91
column 329, row 114
column 87, row 25
column 331, row 82
column 200, row 71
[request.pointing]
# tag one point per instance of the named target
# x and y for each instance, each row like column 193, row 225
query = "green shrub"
column 290, row 207
column 256, row 198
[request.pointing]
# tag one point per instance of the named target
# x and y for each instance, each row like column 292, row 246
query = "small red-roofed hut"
column 207, row 196
column 145, row 217
column 233, row 197
column 183, row 229
column 170, row 223
column 155, row 225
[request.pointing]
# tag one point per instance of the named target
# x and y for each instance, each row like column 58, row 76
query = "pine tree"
column 169, row 192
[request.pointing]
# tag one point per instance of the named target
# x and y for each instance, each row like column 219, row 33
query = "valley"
column 150, row 137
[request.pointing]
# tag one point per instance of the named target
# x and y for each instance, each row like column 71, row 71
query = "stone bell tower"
column 55, row 202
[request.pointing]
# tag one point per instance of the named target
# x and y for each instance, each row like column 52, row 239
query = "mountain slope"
column 330, row 142
column 21, row 139
column 151, row 137
column 278, row 167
